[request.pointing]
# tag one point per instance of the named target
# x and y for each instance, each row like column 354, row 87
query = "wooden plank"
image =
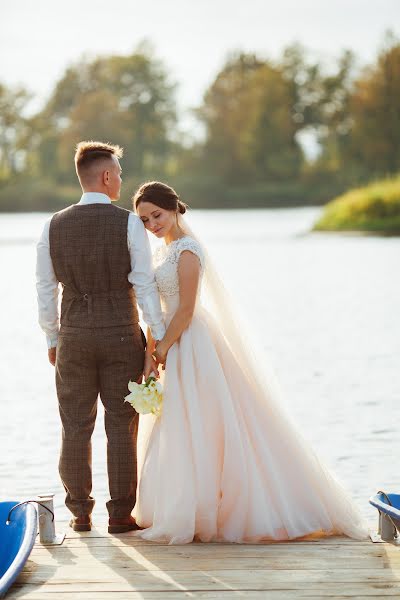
column 136, row 560
column 222, row 550
column 300, row 590
column 354, row 592
column 137, row 541
column 225, row 564
column 103, row 573
column 101, row 532
column 134, row 541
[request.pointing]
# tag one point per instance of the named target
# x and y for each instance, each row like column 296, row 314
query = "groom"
column 100, row 254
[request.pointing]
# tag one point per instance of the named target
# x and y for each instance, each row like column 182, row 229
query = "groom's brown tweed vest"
column 90, row 256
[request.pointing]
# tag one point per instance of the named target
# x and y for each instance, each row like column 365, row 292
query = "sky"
column 193, row 38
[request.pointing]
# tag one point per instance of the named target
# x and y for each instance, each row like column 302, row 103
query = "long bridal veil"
column 309, row 477
column 233, row 327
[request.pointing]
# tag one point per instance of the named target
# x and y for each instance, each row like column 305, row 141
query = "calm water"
column 325, row 306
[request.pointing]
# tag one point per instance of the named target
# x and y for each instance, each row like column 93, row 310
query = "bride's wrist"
column 162, row 348
column 162, row 343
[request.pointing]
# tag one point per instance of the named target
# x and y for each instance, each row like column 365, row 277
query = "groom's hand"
column 52, row 354
column 150, row 365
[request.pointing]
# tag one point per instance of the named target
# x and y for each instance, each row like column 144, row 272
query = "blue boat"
column 388, row 506
column 17, row 537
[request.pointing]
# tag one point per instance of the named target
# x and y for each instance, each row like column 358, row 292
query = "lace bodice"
column 166, row 260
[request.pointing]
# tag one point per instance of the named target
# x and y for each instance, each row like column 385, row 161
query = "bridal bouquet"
column 146, row 397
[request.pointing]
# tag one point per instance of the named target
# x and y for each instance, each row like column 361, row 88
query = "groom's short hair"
column 90, row 153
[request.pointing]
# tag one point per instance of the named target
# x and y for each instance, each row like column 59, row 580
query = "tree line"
column 255, row 116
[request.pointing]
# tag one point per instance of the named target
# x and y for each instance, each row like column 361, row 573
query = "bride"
column 224, row 462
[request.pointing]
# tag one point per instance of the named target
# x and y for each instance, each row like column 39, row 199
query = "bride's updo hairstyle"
column 160, row 194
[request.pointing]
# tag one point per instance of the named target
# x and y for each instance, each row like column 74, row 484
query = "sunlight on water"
column 326, row 308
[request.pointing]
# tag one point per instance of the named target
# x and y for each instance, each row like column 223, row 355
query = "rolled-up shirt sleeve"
column 47, row 288
column 142, row 277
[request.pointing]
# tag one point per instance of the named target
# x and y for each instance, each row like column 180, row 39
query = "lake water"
column 326, row 308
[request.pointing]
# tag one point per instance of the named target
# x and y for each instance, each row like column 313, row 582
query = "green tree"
column 124, row 99
column 225, row 114
column 250, row 131
column 330, row 114
column 273, row 148
column 321, row 102
column 374, row 145
column 13, row 130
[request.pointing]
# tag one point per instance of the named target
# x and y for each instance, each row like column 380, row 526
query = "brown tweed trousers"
column 100, row 348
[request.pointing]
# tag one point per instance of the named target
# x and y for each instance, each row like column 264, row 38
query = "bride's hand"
column 150, row 365
column 160, row 353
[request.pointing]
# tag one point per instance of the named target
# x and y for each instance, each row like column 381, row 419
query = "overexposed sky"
column 39, row 39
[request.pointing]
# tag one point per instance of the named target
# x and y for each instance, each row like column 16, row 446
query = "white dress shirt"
column 141, row 276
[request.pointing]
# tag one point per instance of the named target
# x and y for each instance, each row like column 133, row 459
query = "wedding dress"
column 224, row 462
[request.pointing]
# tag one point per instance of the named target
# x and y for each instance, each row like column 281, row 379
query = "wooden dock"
column 99, row 566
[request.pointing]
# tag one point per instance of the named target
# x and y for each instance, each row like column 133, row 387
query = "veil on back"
column 232, row 326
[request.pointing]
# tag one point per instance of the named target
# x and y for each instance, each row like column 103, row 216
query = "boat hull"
column 16, row 541
column 393, row 510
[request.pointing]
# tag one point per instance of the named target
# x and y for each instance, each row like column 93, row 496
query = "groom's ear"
column 106, row 177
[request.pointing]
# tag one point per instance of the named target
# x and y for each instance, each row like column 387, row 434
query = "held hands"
column 160, row 353
column 150, row 365
column 152, row 361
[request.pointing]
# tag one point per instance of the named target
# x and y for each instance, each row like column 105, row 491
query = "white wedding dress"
column 224, row 462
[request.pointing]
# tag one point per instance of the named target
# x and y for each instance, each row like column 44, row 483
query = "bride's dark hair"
column 160, row 194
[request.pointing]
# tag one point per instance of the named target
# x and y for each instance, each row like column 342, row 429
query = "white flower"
column 131, row 398
column 141, row 406
column 157, row 411
column 133, row 386
column 145, row 398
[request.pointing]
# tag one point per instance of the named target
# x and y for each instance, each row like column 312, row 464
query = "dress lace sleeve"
column 188, row 243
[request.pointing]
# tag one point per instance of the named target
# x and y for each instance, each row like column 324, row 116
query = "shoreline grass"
column 374, row 208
